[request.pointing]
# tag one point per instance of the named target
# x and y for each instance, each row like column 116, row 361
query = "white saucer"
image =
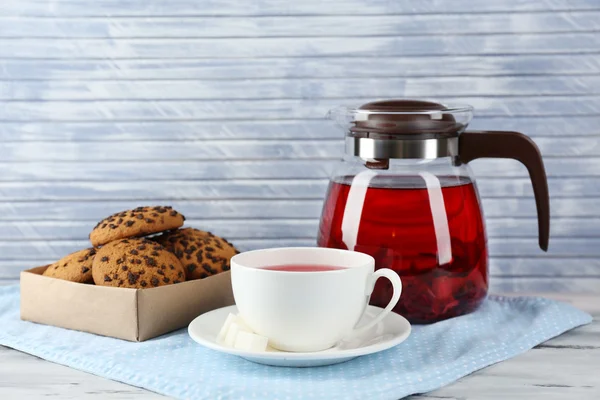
column 393, row 330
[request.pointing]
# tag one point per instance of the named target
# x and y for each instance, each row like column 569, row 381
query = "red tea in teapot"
column 404, row 193
column 431, row 233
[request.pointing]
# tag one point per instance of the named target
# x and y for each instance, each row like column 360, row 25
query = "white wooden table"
column 567, row 367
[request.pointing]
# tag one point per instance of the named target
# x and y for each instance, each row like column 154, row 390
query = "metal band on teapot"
column 369, row 148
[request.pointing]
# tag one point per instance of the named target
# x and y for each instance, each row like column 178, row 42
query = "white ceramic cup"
column 307, row 311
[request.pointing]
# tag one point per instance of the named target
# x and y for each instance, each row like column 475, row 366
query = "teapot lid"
column 392, row 118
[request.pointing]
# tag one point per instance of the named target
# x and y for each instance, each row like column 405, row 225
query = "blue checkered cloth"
column 433, row 356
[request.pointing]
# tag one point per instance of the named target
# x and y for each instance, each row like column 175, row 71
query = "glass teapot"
column 405, row 194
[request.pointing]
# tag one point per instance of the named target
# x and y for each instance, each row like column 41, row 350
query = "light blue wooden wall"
column 216, row 108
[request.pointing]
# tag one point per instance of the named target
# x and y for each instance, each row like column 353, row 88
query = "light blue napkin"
column 433, row 356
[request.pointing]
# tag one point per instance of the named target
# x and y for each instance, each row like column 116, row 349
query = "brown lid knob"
column 402, row 105
column 406, row 117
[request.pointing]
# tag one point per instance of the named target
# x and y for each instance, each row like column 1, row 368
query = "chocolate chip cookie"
column 140, row 221
column 75, row 267
column 201, row 253
column 136, row 263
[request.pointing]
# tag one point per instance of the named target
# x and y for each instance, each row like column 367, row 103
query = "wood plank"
column 541, row 266
column 47, row 235
column 499, row 230
column 529, row 247
column 116, row 8
column 185, row 130
column 536, row 126
column 202, row 209
column 292, row 228
column 298, row 68
column 584, row 335
column 138, row 191
column 532, row 375
column 271, row 233
column 299, row 47
column 110, row 131
column 255, row 189
column 165, row 151
column 286, row 88
column 248, row 208
column 555, row 167
column 258, row 150
column 545, row 284
column 155, row 110
column 53, row 380
column 40, row 231
column 567, row 207
column 303, row 228
column 254, row 169
column 292, row 26
column 527, row 227
column 10, row 269
column 181, row 170
column 558, row 187
column 31, row 210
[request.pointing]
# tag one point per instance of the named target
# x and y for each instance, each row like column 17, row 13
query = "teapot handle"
column 515, row 145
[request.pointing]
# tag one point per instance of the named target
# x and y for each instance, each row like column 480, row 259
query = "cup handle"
column 393, row 277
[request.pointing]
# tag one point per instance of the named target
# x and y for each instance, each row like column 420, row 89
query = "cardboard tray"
column 130, row 314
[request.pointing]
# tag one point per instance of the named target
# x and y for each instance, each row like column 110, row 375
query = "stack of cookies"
column 145, row 248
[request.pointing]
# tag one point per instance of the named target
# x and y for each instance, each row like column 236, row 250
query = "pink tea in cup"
column 302, row 268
